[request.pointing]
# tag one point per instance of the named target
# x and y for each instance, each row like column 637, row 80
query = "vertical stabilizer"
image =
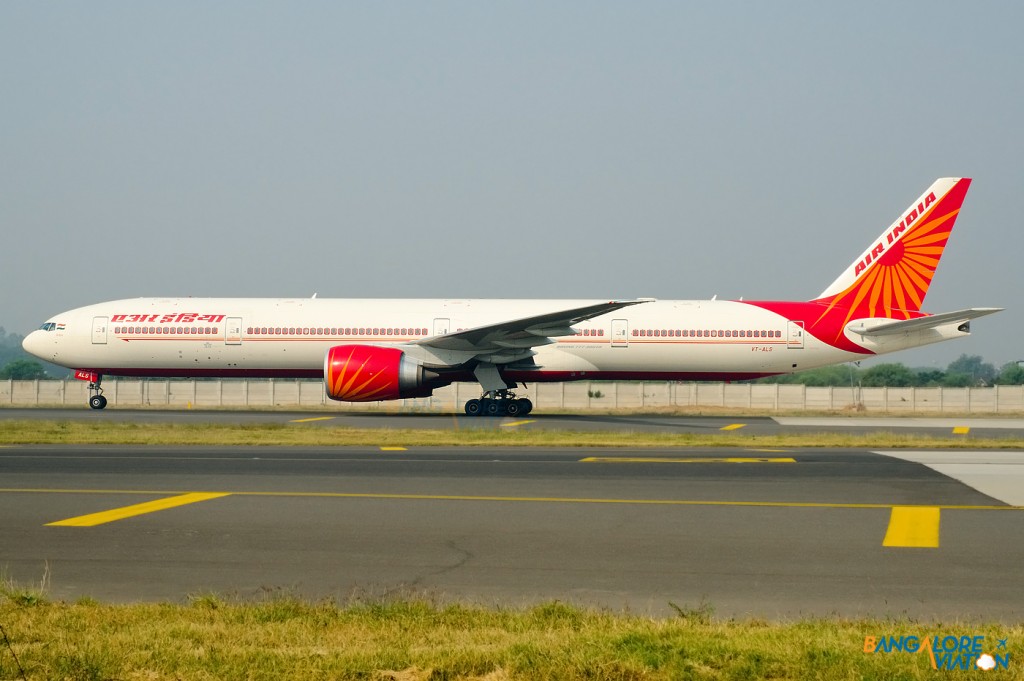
column 890, row 279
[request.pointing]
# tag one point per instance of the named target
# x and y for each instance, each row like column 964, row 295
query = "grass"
column 82, row 432
column 284, row 637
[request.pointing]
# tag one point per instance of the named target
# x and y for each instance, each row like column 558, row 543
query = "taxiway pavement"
column 757, row 425
column 773, row 534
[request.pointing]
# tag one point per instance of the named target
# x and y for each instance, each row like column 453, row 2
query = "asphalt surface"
column 774, row 534
column 755, row 425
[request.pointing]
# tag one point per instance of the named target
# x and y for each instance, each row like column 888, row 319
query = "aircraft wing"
column 888, row 327
column 515, row 337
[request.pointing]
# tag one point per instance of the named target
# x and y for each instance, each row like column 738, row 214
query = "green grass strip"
column 17, row 432
column 283, row 637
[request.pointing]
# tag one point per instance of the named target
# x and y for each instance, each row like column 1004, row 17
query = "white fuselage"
column 698, row 339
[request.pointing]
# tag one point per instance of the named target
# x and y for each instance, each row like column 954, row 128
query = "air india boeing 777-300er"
column 370, row 350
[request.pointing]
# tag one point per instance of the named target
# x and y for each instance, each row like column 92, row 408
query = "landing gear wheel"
column 96, row 398
column 499, row 403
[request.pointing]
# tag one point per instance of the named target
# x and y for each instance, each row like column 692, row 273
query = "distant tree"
column 956, row 379
column 890, row 375
column 980, row 371
column 11, row 350
column 929, row 377
column 830, row 375
column 23, row 370
column 1011, row 374
column 841, row 374
column 10, row 347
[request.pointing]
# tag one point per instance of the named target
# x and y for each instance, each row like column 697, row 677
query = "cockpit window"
column 48, row 326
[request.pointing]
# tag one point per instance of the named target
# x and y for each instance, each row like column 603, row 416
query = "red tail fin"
column 891, row 278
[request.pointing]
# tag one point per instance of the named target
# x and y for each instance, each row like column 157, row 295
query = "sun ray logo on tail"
column 891, row 278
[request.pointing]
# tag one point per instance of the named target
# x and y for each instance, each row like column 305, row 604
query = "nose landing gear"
column 499, row 403
column 96, row 398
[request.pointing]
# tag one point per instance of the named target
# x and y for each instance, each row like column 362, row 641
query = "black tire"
column 473, row 408
column 514, row 407
column 525, row 406
column 97, row 401
column 493, row 408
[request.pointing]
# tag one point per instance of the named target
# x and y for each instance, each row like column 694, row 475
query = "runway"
column 775, row 534
column 754, row 425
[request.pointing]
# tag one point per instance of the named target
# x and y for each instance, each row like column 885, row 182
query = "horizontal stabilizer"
column 888, row 327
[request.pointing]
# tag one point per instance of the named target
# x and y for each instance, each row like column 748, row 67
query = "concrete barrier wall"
column 581, row 396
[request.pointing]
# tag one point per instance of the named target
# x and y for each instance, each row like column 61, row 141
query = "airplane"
column 374, row 350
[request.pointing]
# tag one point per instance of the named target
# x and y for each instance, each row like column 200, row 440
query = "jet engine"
column 369, row 373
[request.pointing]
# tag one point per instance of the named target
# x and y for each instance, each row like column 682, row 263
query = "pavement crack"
column 464, row 557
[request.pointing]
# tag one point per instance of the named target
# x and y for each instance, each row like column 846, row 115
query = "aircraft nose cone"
column 35, row 344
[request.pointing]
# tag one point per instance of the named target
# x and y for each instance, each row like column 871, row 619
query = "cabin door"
column 795, row 336
column 233, row 331
column 620, row 333
column 99, row 330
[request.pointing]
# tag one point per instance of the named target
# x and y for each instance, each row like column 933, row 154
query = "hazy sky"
column 581, row 150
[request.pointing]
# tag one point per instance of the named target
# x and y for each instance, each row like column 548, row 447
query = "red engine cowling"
column 368, row 373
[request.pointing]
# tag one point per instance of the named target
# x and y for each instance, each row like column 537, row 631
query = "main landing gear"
column 499, row 403
column 96, row 398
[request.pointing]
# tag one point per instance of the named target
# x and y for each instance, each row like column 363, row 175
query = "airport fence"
column 580, row 395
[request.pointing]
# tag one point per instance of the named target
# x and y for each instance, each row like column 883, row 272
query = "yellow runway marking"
column 94, row 519
column 450, row 497
column 733, row 426
column 961, row 430
column 731, row 459
column 392, row 449
column 513, row 424
column 913, row 526
column 316, row 418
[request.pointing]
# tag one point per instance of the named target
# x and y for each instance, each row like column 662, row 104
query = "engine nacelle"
column 368, row 373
